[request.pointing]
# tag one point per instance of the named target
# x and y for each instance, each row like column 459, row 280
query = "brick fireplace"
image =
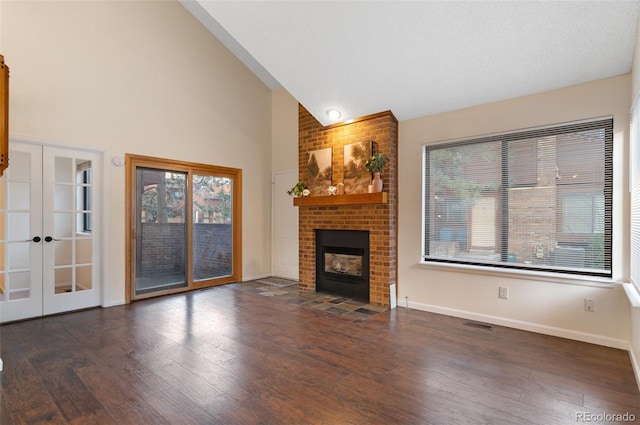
column 358, row 212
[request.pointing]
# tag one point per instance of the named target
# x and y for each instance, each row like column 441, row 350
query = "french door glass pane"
column 19, row 255
column 63, row 280
column 19, row 229
column 19, row 194
column 212, row 227
column 62, row 225
column 64, row 169
column 20, row 166
column 83, row 251
column 63, row 199
column 161, row 230
column 83, row 278
column 19, row 287
column 63, row 252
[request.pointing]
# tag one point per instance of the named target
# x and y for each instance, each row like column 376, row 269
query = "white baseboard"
column 285, row 277
column 260, row 276
column 634, row 364
column 525, row 326
column 113, row 303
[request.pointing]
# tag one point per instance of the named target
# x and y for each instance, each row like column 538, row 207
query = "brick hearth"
column 379, row 219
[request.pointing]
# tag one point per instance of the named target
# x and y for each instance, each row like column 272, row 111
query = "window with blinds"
column 634, row 184
column 537, row 199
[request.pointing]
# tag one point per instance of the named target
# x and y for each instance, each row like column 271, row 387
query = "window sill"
column 632, row 294
column 522, row 274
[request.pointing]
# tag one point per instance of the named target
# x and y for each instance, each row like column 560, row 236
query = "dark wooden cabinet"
column 4, row 117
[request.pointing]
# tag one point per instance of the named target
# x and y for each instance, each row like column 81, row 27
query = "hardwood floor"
column 227, row 355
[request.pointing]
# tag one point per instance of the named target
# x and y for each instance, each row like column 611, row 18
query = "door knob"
column 36, row 239
column 49, row 239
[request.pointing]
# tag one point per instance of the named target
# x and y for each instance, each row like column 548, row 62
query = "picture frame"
column 319, row 171
column 356, row 176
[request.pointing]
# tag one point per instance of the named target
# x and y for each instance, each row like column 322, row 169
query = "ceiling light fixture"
column 334, row 114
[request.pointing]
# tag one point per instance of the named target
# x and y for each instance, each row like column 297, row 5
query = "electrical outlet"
column 503, row 292
column 589, row 305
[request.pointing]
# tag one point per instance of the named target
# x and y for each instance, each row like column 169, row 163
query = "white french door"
column 21, row 234
column 49, row 231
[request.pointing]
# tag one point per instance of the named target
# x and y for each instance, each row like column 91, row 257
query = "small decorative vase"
column 376, row 182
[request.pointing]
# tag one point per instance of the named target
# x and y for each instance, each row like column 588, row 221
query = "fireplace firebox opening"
column 342, row 263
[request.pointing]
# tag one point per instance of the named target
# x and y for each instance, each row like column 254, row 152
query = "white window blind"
column 536, row 199
column 634, row 171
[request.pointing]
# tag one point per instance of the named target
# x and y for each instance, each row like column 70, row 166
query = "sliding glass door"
column 212, row 226
column 161, row 239
column 183, row 222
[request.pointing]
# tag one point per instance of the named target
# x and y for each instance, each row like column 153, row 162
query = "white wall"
column 144, row 78
column 284, row 131
column 552, row 307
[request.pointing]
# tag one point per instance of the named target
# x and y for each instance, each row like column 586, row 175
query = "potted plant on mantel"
column 298, row 190
column 375, row 164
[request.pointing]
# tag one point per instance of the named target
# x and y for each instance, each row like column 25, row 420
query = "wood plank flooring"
column 227, row 355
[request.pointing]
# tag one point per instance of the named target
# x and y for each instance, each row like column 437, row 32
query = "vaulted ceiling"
column 419, row 58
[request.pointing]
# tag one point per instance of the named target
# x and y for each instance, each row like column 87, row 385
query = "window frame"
column 86, row 200
column 606, row 273
column 84, row 177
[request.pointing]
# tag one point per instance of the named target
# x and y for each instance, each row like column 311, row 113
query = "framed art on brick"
column 356, row 176
column 319, row 171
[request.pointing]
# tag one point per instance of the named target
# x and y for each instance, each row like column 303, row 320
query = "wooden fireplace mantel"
column 352, row 199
